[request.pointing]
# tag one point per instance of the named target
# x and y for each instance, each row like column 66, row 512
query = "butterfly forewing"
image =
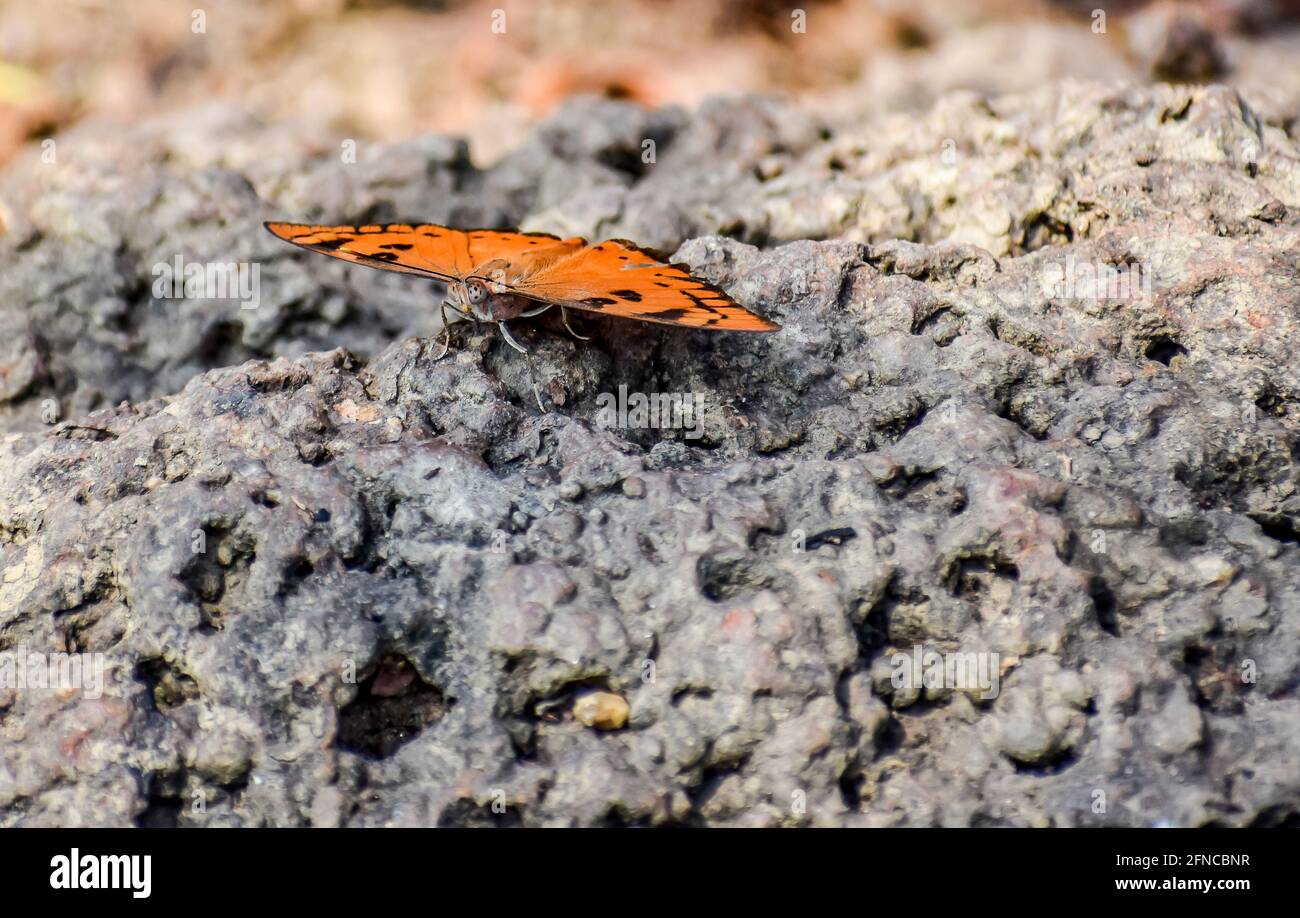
column 617, row 278
column 426, row 249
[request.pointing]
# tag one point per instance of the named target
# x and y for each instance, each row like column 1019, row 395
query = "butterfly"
column 500, row 275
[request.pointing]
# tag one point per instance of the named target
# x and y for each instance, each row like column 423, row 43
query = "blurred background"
column 487, row 69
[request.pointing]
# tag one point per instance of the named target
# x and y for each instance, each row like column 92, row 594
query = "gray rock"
column 336, row 582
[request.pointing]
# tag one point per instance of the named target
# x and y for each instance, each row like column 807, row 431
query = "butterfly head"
column 472, row 296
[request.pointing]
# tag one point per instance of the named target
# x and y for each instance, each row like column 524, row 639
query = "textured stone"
column 336, row 582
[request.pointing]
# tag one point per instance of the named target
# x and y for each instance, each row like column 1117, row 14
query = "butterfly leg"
column 537, row 394
column 564, row 313
column 446, row 328
column 446, row 334
column 505, row 333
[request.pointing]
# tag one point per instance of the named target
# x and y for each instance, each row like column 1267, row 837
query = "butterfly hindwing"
column 619, row 279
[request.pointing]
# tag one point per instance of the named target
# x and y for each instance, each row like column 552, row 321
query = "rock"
column 1177, row 42
column 333, row 581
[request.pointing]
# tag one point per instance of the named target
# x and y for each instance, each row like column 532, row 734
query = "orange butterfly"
column 498, row 275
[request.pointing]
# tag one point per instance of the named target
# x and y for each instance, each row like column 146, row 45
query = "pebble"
column 602, row 710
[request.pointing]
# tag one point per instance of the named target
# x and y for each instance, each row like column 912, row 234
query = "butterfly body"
column 476, row 298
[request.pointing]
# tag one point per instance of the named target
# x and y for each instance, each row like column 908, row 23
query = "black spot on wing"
column 702, row 284
column 598, row 302
column 702, row 304
column 630, row 295
column 397, row 246
column 383, row 256
column 640, row 250
column 330, row 245
column 664, row 315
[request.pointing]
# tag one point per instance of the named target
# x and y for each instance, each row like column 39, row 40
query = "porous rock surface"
column 337, row 582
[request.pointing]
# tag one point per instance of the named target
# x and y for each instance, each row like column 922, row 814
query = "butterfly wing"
column 616, row 278
column 437, row 252
column 612, row 278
